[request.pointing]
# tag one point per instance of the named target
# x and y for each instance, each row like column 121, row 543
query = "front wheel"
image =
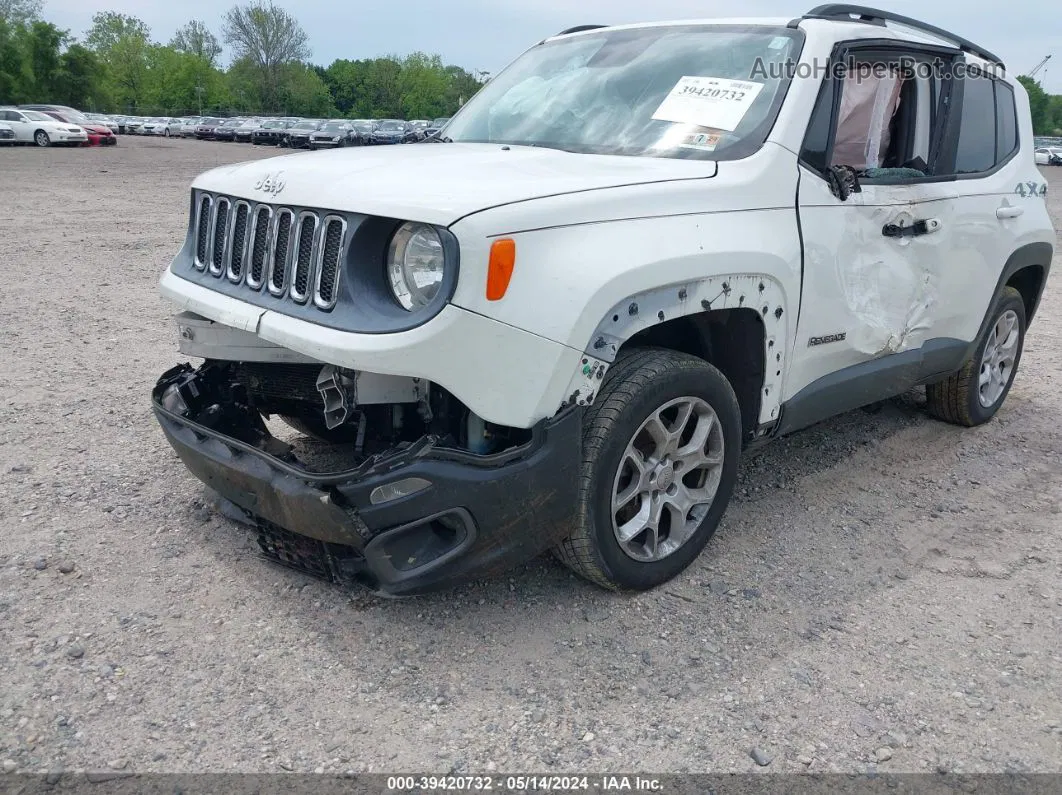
column 973, row 395
column 661, row 445
column 41, row 138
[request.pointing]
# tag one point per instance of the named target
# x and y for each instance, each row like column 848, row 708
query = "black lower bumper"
column 478, row 516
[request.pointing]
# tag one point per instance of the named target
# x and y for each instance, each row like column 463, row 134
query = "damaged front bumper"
column 417, row 518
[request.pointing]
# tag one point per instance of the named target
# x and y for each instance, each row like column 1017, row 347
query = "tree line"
column 1046, row 108
column 117, row 67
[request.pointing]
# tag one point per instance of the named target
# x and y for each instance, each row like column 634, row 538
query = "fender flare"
column 1030, row 255
column 645, row 309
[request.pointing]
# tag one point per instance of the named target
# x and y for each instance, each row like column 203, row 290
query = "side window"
column 878, row 119
column 976, row 150
column 815, row 151
column 987, row 126
column 1006, row 122
column 9, row 115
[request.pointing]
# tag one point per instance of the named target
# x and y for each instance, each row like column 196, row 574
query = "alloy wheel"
column 997, row 361
column 667, row 479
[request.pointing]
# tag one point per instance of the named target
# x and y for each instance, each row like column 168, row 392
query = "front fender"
column 591, row 287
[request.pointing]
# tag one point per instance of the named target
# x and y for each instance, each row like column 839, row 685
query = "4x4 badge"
column 271, row 183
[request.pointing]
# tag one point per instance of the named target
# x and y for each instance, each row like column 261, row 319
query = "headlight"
column 415, row 265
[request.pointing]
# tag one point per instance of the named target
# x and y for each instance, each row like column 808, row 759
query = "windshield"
column 272, row 125
column 335, row 126
column 391, row 126
column 671, row 91
column 362, row 126
column 440, row 122
column 306, row 125
column 34, row 115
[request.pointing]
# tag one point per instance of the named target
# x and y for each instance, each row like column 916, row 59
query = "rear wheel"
column 973, row 395
column 661, row 445
column 41, row 138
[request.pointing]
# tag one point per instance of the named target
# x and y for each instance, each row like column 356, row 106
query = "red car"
column 98, row 134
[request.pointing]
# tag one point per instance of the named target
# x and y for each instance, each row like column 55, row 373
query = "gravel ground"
column 882, row 594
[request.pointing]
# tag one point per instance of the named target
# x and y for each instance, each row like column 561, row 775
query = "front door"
column 878, row 229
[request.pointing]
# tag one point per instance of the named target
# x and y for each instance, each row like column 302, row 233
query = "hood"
column 101, row 129
column 439, row 183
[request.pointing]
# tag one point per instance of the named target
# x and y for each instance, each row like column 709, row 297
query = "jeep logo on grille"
column 271, row 183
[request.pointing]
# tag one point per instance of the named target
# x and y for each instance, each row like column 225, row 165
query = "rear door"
column 1000, row 206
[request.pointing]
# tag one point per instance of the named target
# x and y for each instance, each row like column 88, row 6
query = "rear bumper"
column 480, row 515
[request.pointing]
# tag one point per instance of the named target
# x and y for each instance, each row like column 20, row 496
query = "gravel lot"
column 883, row 592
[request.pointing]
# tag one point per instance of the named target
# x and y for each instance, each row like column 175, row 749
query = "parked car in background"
column 436, row 125
column 106, row 121
column 97, row 134
column 393, row 131
column 420, row 127
column 7, row 133
column 187, row 127
column 35, row 127
column 226, row 131
column 133, row 125
column 298, row 135
column 205, row 128
column 1048, row 156
column 243, row 132
column 271, row 132
column 331, row 134
column 160, row 126
column 361, row 132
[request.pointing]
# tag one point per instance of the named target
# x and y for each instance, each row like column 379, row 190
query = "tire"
column 315, row 428
column 641, row 385
column 40, row 138
column 166, row 132
column 962, row 399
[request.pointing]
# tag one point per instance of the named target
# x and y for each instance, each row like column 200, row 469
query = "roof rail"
column 874, row 16
column 580, row 29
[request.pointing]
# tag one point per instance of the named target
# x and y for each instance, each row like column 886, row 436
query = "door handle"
column 1008, row 212
column 925, row 226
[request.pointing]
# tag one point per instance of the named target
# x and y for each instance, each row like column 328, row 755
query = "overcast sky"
column 487, row 34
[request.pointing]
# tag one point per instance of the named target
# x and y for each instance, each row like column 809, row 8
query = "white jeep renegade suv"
column 557, row 322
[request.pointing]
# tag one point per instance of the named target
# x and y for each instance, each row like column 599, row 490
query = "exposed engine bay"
column 358, row 415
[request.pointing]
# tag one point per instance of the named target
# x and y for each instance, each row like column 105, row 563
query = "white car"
column 34, row 127
column 161, row 126
column 636, row 252
column 187, row 127
column 1049, row 156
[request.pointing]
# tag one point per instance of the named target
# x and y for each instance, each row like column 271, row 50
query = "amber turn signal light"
column 500, row 269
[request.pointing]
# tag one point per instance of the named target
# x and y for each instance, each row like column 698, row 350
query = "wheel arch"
column 1026, row 270
column 737, row 322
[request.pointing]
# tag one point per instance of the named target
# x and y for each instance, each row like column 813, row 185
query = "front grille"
column 278, row 264
column 300, row 279
column 239, row 241
column 331, row 255
column 202, row 231
column 218, row 235
column 298, row 256
column 263, row 217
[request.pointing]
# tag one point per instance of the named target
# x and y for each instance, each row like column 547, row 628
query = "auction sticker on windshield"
column 716, row 102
